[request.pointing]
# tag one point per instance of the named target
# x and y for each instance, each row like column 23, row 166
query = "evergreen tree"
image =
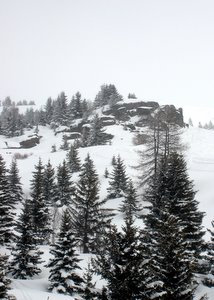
column 113, row 160
column 6, row 207
column 76, row 106
column 108, row 94
column 4, row 281
column 89, row 291
column 26, row 255
column 120, row 261
column 49, row 110
column 39, row 207
column 87, row 214
column 16, row 192
column 29, row 118
column 97, row 135
column 171, row 240
column 118, row 180
column 64, row 264
column 61, row 111
column 73, row 159
column 106, row 174
column 49, row 185
column 130, row 205
column 183, row 203
column 50, row 196
column 65, row 188
column 10, row 121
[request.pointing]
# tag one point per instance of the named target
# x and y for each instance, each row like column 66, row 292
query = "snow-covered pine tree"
column 76, row 106
column 61, row 111
column 106, row 173
column 16, row 192
column 65, row 188
column 49, row 185
column 6, row 207
column 64, row 277
column 50, row 195
column 183, row 203
column 130, row 204
column 4, row 281
column 87, row 214
column 39, row 207
column 108, row 94
column 170, row 243
column 120, row 261
column 113, row 160
column 118, row 180
column 25, row 255
column 10, row 121
column 73, row 160
column 49, row 111
column 97, row 135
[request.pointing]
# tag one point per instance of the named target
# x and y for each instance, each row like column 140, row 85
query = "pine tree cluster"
column 155, row 261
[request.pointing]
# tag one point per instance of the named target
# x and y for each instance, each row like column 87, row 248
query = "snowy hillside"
column 200, row 159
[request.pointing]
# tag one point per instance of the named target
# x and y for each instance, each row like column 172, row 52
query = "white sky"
column 161, row 50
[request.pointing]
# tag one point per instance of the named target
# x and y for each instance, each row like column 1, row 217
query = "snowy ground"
column 200, row 159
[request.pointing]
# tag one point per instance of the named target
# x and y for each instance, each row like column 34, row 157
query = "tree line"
column 56, row 112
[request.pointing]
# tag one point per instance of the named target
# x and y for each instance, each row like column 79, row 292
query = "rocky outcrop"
column 30, row 143
column 123, row 111
column 146, row 112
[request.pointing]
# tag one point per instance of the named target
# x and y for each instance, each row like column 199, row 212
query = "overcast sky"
column 161, row 50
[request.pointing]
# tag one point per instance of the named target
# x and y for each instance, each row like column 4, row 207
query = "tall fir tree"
column 39, row 207
column 16, row 191
column 49, row 109
column 64, row 277
column 65, row 187
column 118, row 180
column 170, row 243
column 183, row 203
column 49, row 185
column 76, row 106
column 87, row 214
column 61, row 111
column 120, row 261
column 26, row 255
column 130, row 204
column 73, row 160
column 6, row 207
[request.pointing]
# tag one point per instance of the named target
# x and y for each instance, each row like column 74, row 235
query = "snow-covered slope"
column 200, row 159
